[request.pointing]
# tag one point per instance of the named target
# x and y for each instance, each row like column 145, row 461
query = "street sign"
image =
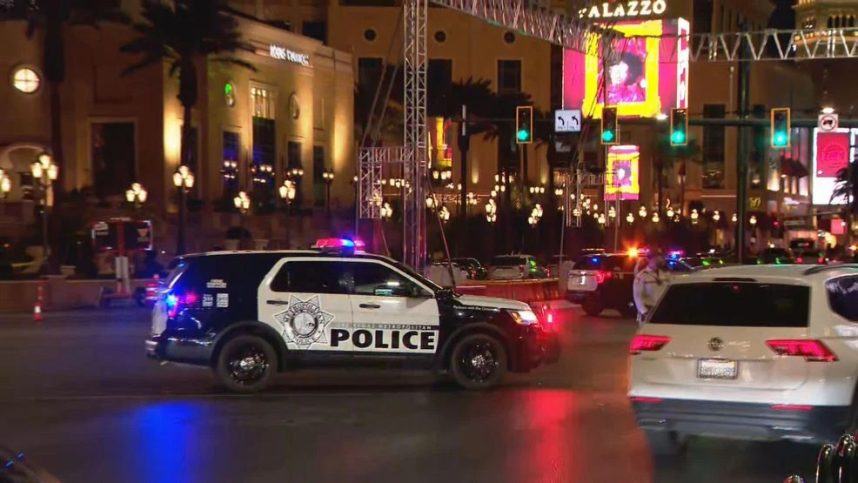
column 567, row 120
column 828, row 122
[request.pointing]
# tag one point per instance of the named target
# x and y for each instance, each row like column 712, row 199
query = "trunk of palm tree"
column 188, row 97
column 54, row 65
column 57, row 135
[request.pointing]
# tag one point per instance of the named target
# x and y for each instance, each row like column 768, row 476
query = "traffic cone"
column 37, row 308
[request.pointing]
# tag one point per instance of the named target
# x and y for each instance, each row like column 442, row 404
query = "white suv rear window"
column 741, row 304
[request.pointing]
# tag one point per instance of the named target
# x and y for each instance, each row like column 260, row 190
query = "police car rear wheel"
column 478, row 361
column 246, row 364
column 593, row 305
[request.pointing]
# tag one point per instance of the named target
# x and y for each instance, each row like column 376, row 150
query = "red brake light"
column 792, row 407
column 602, row 276
column 811, row 349
column 799, row 260
column 646, row 343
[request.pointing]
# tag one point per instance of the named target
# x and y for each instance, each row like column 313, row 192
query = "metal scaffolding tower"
column 414, row 155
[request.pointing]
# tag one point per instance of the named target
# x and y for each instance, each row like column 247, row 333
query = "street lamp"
column 753, row 220
column 444, row 214
column 716, row 216
column 288, row 191
column 328, row 178
column 242, row 202
column 5, row 184
column 183, row 180
column 136, row 195
column 630, row 218
column 386, row 211
column 491, row 211
column 45, row 172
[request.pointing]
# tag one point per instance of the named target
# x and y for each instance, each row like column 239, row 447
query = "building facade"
column 251, row 129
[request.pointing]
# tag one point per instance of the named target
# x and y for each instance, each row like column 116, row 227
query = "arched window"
column 830, row 22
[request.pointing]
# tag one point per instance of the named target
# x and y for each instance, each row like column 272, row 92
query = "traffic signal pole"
column 742, row 154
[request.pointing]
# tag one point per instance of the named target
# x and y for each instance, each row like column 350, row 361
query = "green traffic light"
column 523, row 135
column 677, row 137
column 607, row 136
column 780, row 138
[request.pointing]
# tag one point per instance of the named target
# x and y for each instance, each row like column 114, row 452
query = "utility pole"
column 464, row 145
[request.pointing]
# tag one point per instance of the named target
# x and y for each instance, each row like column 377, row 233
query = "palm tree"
column 480, row 104
column 183, row 32
column 847, row 189
column 52, row 17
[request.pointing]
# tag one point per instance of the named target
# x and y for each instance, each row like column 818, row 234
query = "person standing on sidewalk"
column 651, row 279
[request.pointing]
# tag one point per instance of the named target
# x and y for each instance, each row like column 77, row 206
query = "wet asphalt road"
column 79, row 397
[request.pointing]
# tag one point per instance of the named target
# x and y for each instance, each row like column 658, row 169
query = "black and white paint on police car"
column 304, row 322
column 307, row 326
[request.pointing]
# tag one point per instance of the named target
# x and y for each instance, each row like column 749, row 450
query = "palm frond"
column 234, row 61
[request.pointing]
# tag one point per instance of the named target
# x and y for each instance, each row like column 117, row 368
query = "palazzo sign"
column 627, row 9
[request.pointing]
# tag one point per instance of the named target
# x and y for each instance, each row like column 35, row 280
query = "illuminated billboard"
column 621, row 173
column 830, row 155
column 648, row 74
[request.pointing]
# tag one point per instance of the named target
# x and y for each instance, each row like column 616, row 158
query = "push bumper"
column 534, row 349
column 179, row 349
column 749, row 421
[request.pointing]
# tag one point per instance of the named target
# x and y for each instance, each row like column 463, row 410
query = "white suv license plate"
column 717, row 369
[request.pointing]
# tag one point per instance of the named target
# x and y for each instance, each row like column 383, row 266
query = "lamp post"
column 288, row 191
column 136, row 195
column 183, row 180
column 328, row 178
column 45, row 172
column 5, row 188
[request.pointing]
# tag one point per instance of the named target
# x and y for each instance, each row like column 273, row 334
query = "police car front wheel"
column 478, row 361
column 246, row 363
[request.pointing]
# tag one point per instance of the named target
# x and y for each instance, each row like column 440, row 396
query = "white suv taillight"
column 647, row 343
column 811, row 349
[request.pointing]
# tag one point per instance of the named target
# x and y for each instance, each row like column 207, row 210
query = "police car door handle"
column 276, row 302
column 370, row 306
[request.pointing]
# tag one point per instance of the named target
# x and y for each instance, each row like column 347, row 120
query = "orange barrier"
column 528, row 291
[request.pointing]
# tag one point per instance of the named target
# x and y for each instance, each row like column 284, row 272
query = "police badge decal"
column 304, row 322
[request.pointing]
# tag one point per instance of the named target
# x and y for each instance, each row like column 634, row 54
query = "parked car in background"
column 516, row 267
column 604, row 281
column 710, row 259
column 475, row 269
column 811, row 256
column 775, row 256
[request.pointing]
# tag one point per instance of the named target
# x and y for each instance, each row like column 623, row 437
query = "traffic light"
column 524, row 124
column 678, row 127
column 610, row 134
column 780, row 126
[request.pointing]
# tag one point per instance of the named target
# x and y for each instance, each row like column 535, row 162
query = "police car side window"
column 312, row 277
column 377, row 279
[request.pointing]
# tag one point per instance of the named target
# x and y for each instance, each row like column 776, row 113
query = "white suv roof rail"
column 823, row 268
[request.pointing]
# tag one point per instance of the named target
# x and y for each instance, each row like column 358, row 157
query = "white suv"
column 750, row 352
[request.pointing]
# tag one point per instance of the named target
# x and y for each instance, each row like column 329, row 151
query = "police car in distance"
column 249, row 315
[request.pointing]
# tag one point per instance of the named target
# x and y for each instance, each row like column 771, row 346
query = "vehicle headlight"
column 524, row 317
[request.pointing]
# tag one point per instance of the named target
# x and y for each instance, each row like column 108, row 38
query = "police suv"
column 248, row 315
